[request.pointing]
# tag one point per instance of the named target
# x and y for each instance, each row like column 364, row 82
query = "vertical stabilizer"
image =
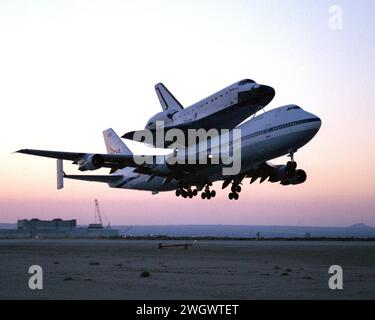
column 114, row 144
column 167, row 100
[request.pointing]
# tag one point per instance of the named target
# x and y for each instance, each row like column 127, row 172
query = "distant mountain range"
column 359, row 230
column 360, row 226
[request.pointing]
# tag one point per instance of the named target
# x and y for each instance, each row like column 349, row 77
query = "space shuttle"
column 224, row 109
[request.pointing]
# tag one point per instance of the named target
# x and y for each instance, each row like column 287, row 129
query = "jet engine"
column 284, row 172
column 299, row 177
column 91, row 162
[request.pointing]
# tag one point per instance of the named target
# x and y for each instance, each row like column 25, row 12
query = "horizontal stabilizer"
column 59, row 174
column 105, row 179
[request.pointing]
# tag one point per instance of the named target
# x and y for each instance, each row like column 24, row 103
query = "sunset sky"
column 70, row 69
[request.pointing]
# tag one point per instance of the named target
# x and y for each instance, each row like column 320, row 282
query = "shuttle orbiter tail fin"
column 114, row 144
column 167, row 100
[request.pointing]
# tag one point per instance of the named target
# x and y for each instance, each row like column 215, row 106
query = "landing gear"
column 233, row 196
column 186, row 192
column 207, row 193
column 236, row 190
column 291, row 165
column 291, row 155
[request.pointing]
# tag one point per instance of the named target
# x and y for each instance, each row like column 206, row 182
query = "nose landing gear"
column 291, row 165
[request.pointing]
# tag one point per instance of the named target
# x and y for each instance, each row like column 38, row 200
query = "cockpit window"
column 246, row 81
column 293, row 108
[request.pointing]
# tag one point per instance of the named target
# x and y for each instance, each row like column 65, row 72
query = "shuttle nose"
column 265, row 94
column 260, row 96
column 266, row 91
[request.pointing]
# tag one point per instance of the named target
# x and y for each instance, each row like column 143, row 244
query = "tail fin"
column 167, row 100
column 114, row 144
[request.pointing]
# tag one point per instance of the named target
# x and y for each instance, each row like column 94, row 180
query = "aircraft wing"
column 105, row 179
column 112, row 161
column 109, row 160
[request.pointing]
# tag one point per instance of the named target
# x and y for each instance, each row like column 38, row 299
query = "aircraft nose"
column 261, row 95
column 265, row 94
column 317, row 123
column 267, row 91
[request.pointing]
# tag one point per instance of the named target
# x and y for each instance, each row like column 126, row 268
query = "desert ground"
column 111, row 269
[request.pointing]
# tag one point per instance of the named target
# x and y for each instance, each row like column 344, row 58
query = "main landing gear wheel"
column 233, row 196
column 236, row 189
column 207, row 194
column 186, row 192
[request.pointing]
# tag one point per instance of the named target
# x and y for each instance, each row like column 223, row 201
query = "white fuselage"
column 264, row 137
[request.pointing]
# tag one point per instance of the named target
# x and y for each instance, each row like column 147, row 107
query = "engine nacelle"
column 284, row 172
column 91, row 162
column 299, row 177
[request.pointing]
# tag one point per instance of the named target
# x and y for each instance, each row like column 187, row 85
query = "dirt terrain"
column 123, row 269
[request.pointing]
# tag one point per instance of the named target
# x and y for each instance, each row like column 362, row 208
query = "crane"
column 99, row 216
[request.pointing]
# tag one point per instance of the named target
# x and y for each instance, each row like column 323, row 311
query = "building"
column 35, row 225
column 57, row 228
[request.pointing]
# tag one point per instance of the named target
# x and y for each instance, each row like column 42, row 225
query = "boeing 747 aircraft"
column 281, row 131
column 224, row 109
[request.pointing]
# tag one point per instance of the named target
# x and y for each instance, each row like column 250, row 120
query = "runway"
column 111, row 269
